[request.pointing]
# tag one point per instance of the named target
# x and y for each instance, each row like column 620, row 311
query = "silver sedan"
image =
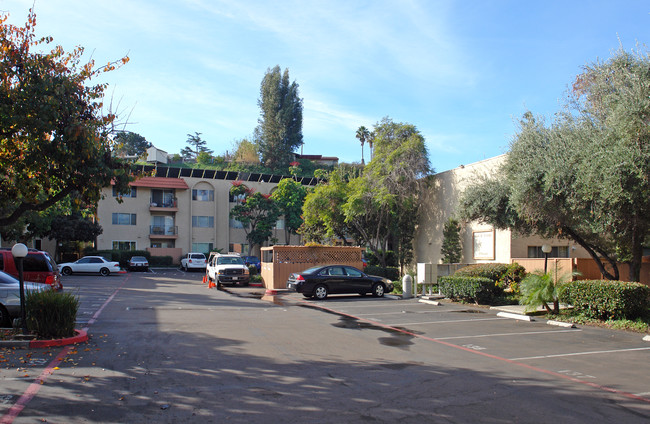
column 10, row 297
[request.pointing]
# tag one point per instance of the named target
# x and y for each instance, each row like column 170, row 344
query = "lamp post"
column 19, row 251
column 546, row 248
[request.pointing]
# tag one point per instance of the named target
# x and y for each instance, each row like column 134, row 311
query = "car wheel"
column 104, row 271
column 5, row 321
column 66, row 270
column 320, row 292
column 378, row 290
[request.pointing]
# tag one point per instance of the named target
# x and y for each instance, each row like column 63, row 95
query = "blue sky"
column 462, row 72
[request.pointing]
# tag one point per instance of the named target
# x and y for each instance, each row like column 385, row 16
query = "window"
column 279, row 224
column 203, row 195
column 134, row 192
column 123, row 245
column 163, row 198
column 235, row 224
column 203, row 221
column 202, row 247
column 236, row 199
column 556, row 252
column 352, row 272
column 124, row 219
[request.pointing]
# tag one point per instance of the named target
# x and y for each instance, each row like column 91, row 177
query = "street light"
column 546, row 248
column 19, row 251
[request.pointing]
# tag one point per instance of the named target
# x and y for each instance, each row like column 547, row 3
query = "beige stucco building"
column 180, row 210
column 481, row 242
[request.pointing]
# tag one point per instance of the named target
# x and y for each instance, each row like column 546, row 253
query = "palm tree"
column 363, row 134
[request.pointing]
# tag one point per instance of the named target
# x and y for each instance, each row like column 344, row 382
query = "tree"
column 130, row 143
column 279, row 132
column 245, row 151
column 54, row 139
column 452, row 249
column 257, row 212
column 363, row 135
column 75, row 228
column 323, row 210
column 383, row 204
column 585, row 176
column 195, row 146
column 289, row 195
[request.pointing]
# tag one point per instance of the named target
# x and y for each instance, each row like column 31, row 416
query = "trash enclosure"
column 278, row 262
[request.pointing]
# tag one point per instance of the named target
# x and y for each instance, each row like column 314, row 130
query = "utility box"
column 426, row 273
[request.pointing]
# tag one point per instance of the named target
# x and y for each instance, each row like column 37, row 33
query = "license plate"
column 235, row 278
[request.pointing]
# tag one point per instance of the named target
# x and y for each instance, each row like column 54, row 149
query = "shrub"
column 493, row 271
column 471, row 289
column 511, row 279
column 604, row 299
column 51, row 314
column 388, row 272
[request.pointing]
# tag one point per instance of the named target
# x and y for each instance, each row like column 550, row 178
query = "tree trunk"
column 637, row 257
column 592, row 252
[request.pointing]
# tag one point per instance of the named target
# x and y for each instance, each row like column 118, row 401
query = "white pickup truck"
column 227, row 268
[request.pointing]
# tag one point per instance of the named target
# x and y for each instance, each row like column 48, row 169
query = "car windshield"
column 230, row 260
column 311, row 270
column 198, row 256
column 7, row 279
column 139, row 259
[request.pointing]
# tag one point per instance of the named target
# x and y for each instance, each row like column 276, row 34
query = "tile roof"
column 160, row 182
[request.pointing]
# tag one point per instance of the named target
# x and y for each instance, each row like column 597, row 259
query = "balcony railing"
column 163, row 230
column 159, row 203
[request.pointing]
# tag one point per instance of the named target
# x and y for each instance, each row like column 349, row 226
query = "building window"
column 134, row 192
column 235, row 224
column 124, row 219
column 240, row 248
column 279, row 224
column 202, row 247
column 556, row 252
column 236, row 199
column 123, row 245
column 163, row 198
column 203, row 195
column 203, row 221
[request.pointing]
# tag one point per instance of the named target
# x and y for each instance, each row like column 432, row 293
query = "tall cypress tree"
column 279, row 132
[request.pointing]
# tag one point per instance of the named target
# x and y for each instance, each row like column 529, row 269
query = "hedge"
column 51, row 314
column 388, row 272
column 605, row 299
column 471, row 289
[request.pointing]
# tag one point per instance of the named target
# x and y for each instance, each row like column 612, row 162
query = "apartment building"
column 173, row 211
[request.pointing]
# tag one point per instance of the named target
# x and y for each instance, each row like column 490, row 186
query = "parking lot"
column 609, row 360
column 161, row 343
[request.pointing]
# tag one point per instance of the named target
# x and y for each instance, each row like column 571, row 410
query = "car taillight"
column 300, row 278
column 49, row 279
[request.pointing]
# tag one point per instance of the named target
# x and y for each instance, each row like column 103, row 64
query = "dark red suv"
column 38, row 267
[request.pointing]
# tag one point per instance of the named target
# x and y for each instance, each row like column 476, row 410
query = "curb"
column 561, row 324
column 429, row 302
column 81, row 336
column 646, row 339
column 515, row 316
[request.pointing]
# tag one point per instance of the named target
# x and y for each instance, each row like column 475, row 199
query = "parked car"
column 227, row 269
column 90, row 264
column 193, row 260
column 138, row 263
column 253, row 260
column 10, row 296
column 38, row 267
column 320, row 281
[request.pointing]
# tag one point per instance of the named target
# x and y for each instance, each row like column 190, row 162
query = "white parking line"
column 401, row 324
column 597, row 352
column 401, row 313
column 506, row 334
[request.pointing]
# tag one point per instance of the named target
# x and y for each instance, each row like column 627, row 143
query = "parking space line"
column 401, row 313
column 596, row 352
column 526, row 333
column 447, row 321
column 512, row 362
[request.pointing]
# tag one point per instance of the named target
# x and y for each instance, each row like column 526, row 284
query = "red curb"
column 270, row 292
column 81, row 336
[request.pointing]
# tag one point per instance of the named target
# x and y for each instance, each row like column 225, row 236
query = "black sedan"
column 320, row 281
